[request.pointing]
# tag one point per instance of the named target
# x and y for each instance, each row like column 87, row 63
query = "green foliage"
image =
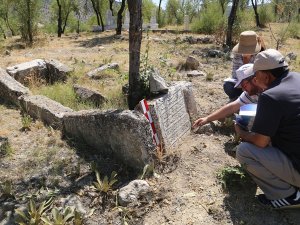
column 266, row 14
column 147, row 171
column 294, row 29
column 146, row 69
column 5, row 148
column 148, row 7
column 210, row 20
column 27, row 15
column 105, row 185
column 233, row 176
column 60, row 218
column 26, row 122
column 64, row 94
column 7, row 188
column 174, row 12
column 33, row 214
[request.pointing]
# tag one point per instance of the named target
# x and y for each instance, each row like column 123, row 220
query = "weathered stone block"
column 45, row 109
column 124, row 134
column 96, row 73
column 56, row 71
column 29, row 71
column 86, row 94
column 170, row 115
column 10, row 89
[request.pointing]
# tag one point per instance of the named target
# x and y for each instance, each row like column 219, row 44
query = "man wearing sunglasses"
column 271, row 151
column 245, row 77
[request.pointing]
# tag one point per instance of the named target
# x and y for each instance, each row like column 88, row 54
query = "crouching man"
column 271, row 151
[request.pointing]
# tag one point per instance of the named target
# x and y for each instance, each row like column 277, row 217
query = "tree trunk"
column 59, row 20
column 96, row 12
column 119, row 18
column 135, row 38
column 3, row 32
column 65, row 22
column 98, row 15
column 8, row 25
column 29, row 27
column 231, row 20
column 254, row 5
column 111, row 2
column 158, row 13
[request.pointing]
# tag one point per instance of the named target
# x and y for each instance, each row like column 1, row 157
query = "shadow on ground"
column 99, row 41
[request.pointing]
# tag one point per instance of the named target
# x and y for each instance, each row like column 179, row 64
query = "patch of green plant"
column 33, row 214
column 6, row 149
column 26, row 122
column 105, row 185
column 209, row 76
column 59, row 218
column 266, row 14
column 294, row 30
column 210, row 20
column 233, row 176
column 148, row 170
column 7, row 189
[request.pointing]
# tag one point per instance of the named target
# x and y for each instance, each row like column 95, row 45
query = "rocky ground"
column 186, row 187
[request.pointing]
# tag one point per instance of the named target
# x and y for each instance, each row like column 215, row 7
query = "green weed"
column 33, row 214
column 232, row 176
column 105, row 185
column 26, row 122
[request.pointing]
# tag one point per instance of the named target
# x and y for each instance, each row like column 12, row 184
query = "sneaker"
column 292, row 201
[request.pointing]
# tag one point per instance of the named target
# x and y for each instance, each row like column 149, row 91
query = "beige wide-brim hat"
column 248, row 43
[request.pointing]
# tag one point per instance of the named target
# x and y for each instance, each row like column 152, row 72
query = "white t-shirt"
column 245, row 98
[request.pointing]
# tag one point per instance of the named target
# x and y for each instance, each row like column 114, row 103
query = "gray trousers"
column 271, row 170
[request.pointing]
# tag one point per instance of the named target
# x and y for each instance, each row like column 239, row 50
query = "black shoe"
column 292, row 201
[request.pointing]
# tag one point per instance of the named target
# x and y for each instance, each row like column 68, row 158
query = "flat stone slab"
column 10, row 89
column 170, row 113
column 45, row 109
column 26, row 72
column 124, row 134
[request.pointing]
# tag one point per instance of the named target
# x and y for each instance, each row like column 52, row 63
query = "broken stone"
column 157, row 83
column 133, row 191
column 96, row 73
column 10, row 89
column 45, row 109
column 86, row 94
column 56, row 71
column 26, row 72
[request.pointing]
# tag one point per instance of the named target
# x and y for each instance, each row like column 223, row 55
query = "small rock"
column 133, row 191
column 195, row 73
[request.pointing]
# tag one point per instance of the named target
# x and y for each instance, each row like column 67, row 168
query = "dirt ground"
column 187, row 191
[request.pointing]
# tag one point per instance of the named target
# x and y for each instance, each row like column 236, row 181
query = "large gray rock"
column 124, row 134
column 133, row 191
column 10, row 89
column 28, row 72
column 96, row 73
column 86, row 94
column 56, row 71
column 45, row 109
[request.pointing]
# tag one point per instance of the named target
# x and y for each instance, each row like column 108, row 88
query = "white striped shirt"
column 245, row 98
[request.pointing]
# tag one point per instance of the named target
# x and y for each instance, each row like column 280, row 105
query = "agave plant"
column 60, row 218
column 34, row 214
column 106, row 184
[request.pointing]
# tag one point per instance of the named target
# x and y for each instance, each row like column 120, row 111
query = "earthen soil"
column 187, row 190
